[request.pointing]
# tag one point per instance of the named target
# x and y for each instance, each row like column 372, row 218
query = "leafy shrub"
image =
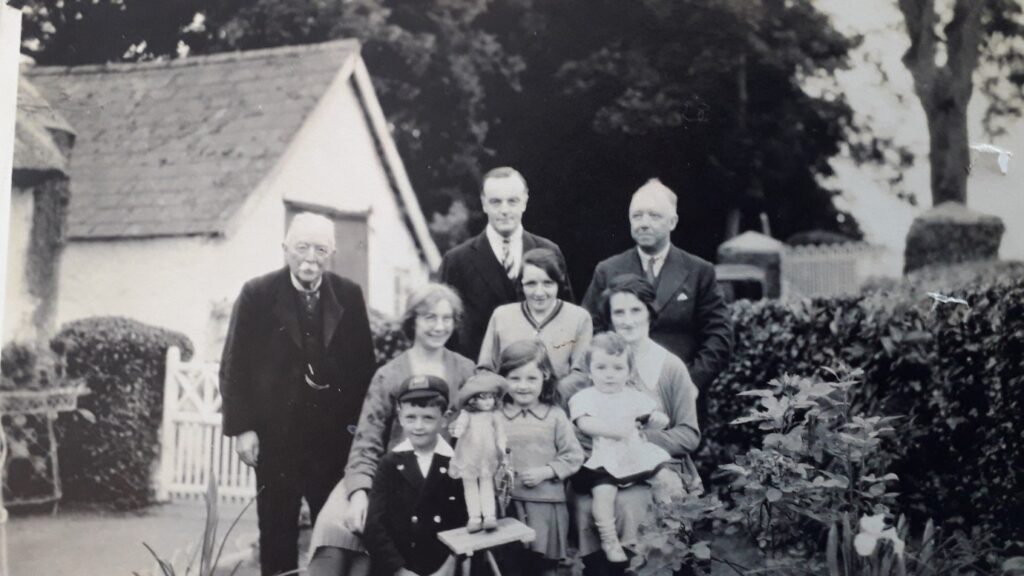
column 950, row 233
column 955, row 371
column 122, row 362
column 25, row 366
column 388, row 339
column 818, row 460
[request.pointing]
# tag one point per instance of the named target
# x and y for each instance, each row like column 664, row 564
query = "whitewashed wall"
column 19, row 304
column 189, row 284
column 333, row 162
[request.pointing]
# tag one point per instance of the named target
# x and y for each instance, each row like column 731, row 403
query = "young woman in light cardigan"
column 431, row 316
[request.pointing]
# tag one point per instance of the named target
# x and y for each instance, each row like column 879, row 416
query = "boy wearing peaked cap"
column 413, row 498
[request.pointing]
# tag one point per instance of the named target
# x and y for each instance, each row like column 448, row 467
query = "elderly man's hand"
column 247, row 446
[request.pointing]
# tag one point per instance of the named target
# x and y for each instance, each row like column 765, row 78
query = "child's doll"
column 612, row 414
column 480, row 448
column 544, row 452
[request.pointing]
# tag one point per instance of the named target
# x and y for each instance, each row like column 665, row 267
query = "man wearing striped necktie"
column 485, row 269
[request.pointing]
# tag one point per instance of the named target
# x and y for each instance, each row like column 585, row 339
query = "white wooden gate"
column 191, row 443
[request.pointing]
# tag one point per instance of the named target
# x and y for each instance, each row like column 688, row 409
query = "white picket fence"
column 192, row 445
column 828, row 270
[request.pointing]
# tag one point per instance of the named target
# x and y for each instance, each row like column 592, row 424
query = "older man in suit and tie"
column 692, row 319
column 484, row 269
column 296, row 366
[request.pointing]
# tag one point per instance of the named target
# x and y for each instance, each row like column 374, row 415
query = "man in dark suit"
column 484, row 268
column 692, row 319
column 296, row 366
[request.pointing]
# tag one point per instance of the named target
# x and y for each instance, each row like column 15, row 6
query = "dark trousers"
column 283, row 480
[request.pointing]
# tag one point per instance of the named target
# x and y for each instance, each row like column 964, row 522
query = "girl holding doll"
column 544, row 451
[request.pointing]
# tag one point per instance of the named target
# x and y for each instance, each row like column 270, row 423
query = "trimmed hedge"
column 956, row 373
column 122, row 361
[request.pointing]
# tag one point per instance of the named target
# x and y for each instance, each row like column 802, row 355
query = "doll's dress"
column 476, row 452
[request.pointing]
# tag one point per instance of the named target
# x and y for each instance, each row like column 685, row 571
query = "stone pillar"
column 758, row 250
column 951, row 233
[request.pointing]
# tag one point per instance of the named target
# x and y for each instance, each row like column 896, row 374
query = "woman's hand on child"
column 657, row 421
column 354, row 519
column 535, row 476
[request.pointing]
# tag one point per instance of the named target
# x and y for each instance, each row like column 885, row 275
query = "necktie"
column 309, row 299
column 649, row 270
column 506, row 257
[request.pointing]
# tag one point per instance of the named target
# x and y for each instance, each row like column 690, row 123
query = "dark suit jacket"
column 695, row 327
column 261, row 371
column 407, row 511
column 472, row 269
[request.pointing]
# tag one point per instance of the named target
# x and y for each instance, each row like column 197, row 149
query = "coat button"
column 413, row 545
column 443, row 470
column 400, row 466
column 437, row 519
column 415, row 519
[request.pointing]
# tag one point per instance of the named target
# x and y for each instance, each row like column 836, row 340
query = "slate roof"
column 174, row 148
column 35, row 149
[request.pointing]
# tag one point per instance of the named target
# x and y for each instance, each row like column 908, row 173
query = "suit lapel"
column 410, row 470
column 488, row 267
column 673, row 274
column 285, row 307
column 332, row 309
column 438, row 470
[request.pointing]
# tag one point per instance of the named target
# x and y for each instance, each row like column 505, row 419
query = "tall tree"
column 587, row 97
column 943, row 60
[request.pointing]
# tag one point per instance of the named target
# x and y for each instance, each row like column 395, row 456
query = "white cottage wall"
column 19, row 305
column 186, row 283
column 334, row 162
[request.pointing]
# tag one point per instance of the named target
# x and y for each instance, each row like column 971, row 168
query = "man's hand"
column 535, row 476
column 247, row 446
column 354, row 519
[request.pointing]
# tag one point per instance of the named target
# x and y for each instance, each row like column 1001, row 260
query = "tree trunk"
column 949, row 157
column 945, row 90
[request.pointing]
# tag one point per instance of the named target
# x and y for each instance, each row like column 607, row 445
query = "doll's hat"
column 422, row 388
column 482, row 381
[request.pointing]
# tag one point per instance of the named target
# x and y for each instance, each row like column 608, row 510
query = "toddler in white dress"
column 613, row 414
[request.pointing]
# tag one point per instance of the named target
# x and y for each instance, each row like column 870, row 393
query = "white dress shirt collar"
column 424, row 461
column 659, row 261
column 298, row 285
column 515, row 246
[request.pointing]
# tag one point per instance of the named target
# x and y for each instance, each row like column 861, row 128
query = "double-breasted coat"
column 407, row 510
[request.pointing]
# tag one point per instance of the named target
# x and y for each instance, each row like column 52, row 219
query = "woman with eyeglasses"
column 431, row 316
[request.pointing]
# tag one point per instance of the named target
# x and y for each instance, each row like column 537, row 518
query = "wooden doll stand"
column 463, row 544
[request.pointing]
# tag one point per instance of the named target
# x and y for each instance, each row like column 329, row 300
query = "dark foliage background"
column 955, row 374
column 122, row 361
column 588, row 98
